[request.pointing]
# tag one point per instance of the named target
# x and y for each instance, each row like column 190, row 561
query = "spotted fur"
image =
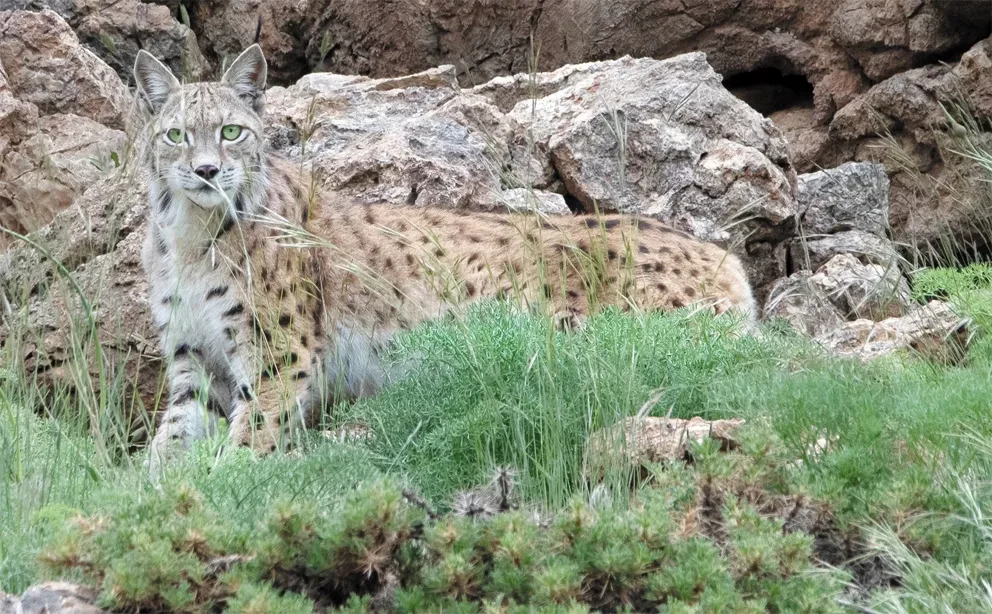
column 274, row 299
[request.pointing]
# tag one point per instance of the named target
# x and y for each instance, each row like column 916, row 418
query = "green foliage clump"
column 945, row 283
column 375, row 549
column 501, row 388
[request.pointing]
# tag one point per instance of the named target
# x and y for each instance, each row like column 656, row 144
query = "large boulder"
column 116, row 29
column 47, row 66
column 43, row 174
column 61, row 114
column 421, row 140
column 657, row 138
column 922, row 124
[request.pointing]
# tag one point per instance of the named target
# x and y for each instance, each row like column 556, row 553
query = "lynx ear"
column 155, row 81
column 247, row 77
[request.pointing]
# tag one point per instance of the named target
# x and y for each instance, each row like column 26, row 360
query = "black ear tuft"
column 155, row 81
column 247, row 77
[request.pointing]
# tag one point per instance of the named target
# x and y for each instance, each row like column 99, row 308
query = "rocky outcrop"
column 812, row 67
column 116, row 29
column 839, row 47
column 833, row 76
column 681, row 149
column 46, row 66
column 658, row 138
column 62, row 111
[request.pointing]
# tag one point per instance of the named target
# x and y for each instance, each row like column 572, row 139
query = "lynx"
column 273, row 298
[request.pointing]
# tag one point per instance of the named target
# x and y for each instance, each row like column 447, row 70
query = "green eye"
column 230, row 132
column 175, row 135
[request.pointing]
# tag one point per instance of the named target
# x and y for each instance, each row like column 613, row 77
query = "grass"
column 895, row 452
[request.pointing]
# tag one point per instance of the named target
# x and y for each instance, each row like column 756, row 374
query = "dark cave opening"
column 768, row 90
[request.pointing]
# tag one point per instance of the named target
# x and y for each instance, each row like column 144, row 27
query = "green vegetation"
column 853, row 483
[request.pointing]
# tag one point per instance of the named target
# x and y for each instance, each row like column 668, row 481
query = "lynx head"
column 205, row 139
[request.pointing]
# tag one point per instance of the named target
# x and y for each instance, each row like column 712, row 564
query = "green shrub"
column 371, row 548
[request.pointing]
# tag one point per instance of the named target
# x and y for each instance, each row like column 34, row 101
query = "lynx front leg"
column 265, row 414
column 186, row 420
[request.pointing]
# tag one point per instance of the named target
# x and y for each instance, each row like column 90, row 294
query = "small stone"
column 933, row 331
column 637, row 442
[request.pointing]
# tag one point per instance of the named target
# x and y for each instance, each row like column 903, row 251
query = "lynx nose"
column 206, row 171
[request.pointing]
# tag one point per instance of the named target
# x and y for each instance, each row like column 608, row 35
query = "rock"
column 52, row 598
column 372, row 143
column 812, row 252
column 46, row 66
column 116, row 29
column 931, row 172
column 839, row 48
column 799, row 63
column 803, row 304
column 637, row 442
column 43, row 174
column 841, row 289
column 619, row 146
column 523, row 199
column 853, row 196
column 53, row 94
column 933, row 330
column 863, row 291
column 811, row 146
column 420, row 140
column 98, row 240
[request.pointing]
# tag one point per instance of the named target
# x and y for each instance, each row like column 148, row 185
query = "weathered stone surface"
column 116, row 29
column 53, row 96
column 841, row 289
column 933, row 180
column 933, row 330
column 51, row 598
column 863, row 291
column 44, row 173
column 523, row 199
column 682, row 150
column 812, row 252
column 47, row 67
column 803, row 304
column 853, row 196
column 802, row 63
column 98, row 241
column 638, row 441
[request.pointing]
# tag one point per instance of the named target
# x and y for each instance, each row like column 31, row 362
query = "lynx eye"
column 230, row 132
column 175, row 135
